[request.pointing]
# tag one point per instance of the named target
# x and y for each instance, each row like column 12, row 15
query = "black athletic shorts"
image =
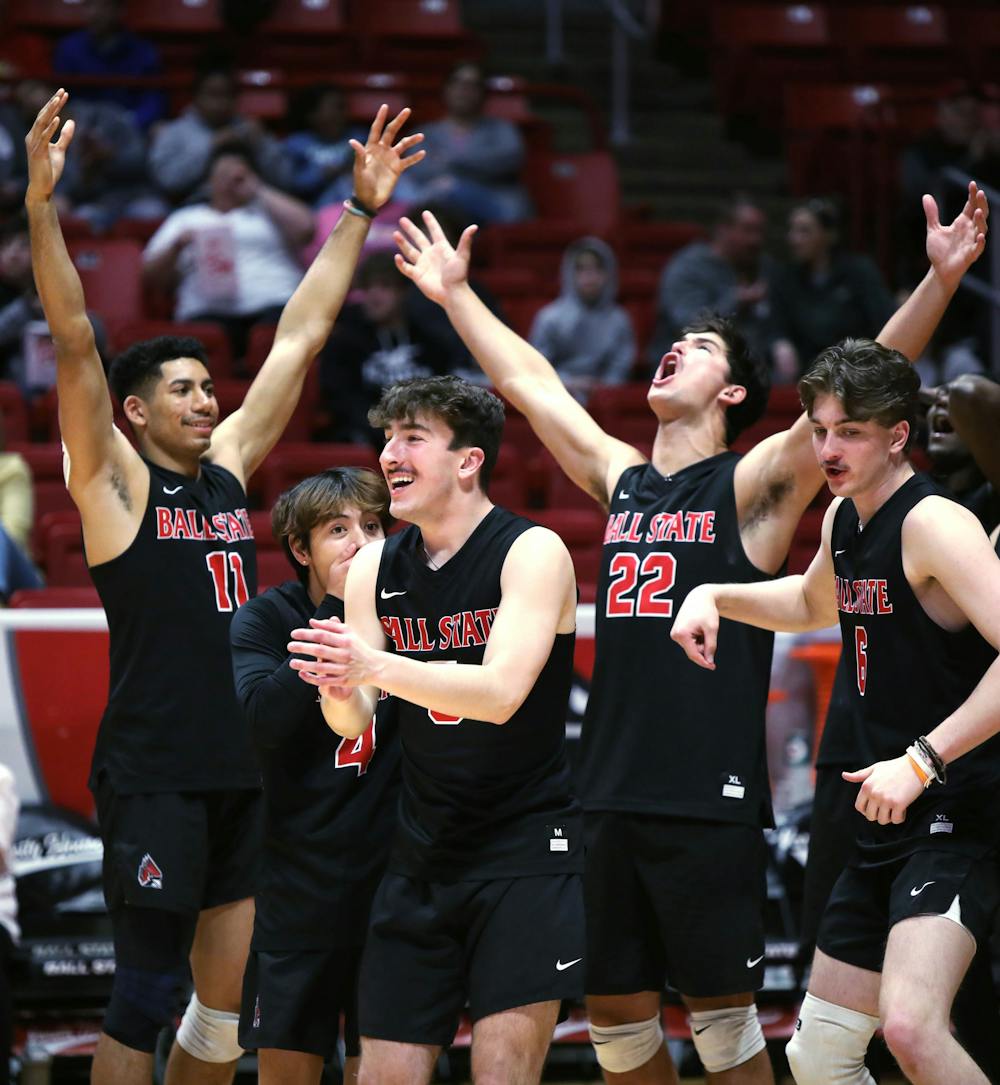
column 293, row 1001
column 434, row 947
column 868, row 901
column 673, row 900
column 833, row 829
column 178, row 851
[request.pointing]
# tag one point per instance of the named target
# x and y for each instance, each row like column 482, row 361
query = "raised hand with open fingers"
column 379, row 162
column 953, row 249
column 429, row 260
column 45, row 158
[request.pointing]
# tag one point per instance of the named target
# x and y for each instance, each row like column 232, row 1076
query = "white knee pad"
column 620, row 1048
column 209, row 1035
column 726, row 1038
column 829, row 1044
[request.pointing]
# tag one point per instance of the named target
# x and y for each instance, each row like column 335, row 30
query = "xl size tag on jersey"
column 733, row 786
column 557, row 838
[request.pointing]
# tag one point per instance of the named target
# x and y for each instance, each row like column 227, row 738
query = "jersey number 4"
column 355, row 753
column 861, row 656
column 220, row 564
column 655, row 577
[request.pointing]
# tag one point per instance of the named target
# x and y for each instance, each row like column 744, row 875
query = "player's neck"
column 680, row 442
column 869, row 501
column 447, row 532
column 187, row 465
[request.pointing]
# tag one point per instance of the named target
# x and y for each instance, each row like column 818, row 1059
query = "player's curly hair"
column 473, row 414
column 322, row 497
column 872, row 383
column 136, row 370
column 746, row 369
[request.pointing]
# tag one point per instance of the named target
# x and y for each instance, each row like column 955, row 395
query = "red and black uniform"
column 481, row 902
column 673, row 773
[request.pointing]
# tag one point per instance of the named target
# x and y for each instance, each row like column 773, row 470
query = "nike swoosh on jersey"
column 173, row 491
column 837, row 553
column 390, row 594
column 560, row 967
column 623, row 496
column 917, row 892
column 753, row 964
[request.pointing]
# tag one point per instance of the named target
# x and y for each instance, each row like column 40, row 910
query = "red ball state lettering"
column 357, row 752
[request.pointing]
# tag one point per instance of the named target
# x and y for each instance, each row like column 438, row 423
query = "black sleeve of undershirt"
column 273, row 697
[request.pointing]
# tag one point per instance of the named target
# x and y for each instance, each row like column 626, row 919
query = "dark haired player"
column 467, row 618
column 672, row 774
column 916, row 585
column 170, row 550
column 329, row 802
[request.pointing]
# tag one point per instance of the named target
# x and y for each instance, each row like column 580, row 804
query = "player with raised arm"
column 467, row 618
column 672, row 773
column 916, row 586
column 170, row 549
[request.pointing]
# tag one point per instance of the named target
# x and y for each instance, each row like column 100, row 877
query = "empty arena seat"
column 55, row 597
column 65, row 564
column 45, row 461
column 175, row 17
column 579, row 188
column 305, row 17
column 582, row 530
column 272, row 569
column 13, row 412
column 212, row 337
column 414, row 34
column 47, row 14
column 111, row 273
column 649, row 245
column 289, row 463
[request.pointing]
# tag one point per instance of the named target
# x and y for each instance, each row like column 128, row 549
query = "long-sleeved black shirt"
column 329, row 802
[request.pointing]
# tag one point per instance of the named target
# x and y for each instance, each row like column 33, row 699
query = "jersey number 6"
column 657, row 571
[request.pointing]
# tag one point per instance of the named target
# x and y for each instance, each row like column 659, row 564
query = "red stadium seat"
column 289, row 463
column 232, row 392
column 175, row 17
column 650, row 245
column 259, row 345
column 212, row 336
column 582, row 530
column 55, row 597
column 46, row 466
column 614, row 402
column 414, row 34
column 272, row 569
column 508, row 486
column 47, row 14
column 580, row 188
column 309, row 18
column 65, row 564
column 13, row 412
column 900, row 42
column 111, row 273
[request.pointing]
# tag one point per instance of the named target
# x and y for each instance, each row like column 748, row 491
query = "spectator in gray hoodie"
column 584, row 333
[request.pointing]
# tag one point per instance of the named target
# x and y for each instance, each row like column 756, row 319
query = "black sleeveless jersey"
column 329, row 802
column 839, row 746
column 479, row 800
column 907, row 675
column 172, row 722
column 660, row 735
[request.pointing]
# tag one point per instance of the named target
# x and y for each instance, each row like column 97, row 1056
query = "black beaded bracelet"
column 934, row 759
column 362, row 207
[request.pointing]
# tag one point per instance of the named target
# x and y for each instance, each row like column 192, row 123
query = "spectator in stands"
column 823, row 294
column 727, row 275
column 375, row 344
column 319, row 155
column 584, row 333
column 233, row 259
column 105, row 46
column 27, row 356
column 182, row 148
column 473, row 161
column 17, row 506
column 106, row 179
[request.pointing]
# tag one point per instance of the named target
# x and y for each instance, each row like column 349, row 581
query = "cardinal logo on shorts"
column 150, row 875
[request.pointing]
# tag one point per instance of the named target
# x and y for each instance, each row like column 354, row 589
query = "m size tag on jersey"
column 557, row 838
column 733, row 786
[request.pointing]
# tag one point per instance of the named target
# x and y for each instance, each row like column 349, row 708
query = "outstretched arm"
column 243, row 440
column 591, row 458
column 95, row 448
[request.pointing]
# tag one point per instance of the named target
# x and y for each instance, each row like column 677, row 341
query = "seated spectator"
column 105, row 46
column 17, row 506
column 105, row 177
column 182, row 149
column 232, row 260
column 586, row 336
column 320, row 158
column 374, row 344
column 473, row 161
column 727, row 275
column 27, row 356
column 823, row 294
